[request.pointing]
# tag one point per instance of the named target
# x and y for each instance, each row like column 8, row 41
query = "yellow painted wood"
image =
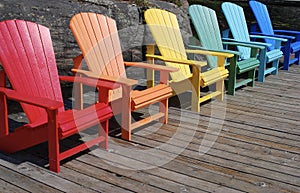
column 165, row 30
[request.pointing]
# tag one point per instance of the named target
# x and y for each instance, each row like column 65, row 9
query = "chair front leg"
column 196, row 89
column 103, row 131
column 232, row 75
column 126, row 112
column 53, row 141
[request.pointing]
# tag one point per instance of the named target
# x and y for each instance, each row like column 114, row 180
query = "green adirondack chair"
column 236, row 20
column 207, row 29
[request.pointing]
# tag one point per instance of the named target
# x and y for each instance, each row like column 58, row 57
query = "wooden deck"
column 248, row 143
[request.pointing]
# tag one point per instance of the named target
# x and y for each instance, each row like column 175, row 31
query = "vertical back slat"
column 262, row 16
column 23, row 58
column 165, row 30
column 236, row 20
column 98, row 39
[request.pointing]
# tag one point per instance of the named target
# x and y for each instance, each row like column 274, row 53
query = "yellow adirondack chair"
column 166, row 33
column 98, row 39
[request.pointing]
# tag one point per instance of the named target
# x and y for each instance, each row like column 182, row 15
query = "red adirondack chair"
column 28, row 60
column 98, row 39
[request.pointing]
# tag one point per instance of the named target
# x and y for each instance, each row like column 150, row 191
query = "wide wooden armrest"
column 214, row 50
column 206, row 52
column 178, row 61
column 32, row 100
column 269, row 37
column 90, row 82
column 120, row 80
column 275, row 35
column 151, row 66
column 291, row 32
column 251, row 44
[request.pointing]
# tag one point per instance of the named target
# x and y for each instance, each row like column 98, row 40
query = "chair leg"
column 262, row 66
column 196, row 90
column 53, row 142
column 297, row 55
column 251, row 75
column 163, row 108
column 220, row 87
column 275, row 64
column 126, row 113
column 286, row 55
column 232, row 79
column 103, row 131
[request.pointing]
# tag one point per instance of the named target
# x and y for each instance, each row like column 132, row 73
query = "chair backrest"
column 98, row 39
column 236, row 20
column 165, row 30
column 27, row 56
column 261, row 14
column 206, row 25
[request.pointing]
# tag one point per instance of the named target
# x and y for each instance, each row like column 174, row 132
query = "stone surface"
column 56, row 15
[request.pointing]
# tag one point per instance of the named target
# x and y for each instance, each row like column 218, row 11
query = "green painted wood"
column 206, row 25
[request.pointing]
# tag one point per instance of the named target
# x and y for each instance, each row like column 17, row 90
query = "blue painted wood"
column 236, row 20
column 292, row 46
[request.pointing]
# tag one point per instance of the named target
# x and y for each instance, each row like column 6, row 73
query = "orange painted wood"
column 28, row 59
column 97, row 37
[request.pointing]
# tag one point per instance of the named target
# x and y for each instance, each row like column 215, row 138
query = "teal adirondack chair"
column 292, row 46
column 206, row 25
column 236, row 20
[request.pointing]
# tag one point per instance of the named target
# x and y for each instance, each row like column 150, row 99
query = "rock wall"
column 56, row 14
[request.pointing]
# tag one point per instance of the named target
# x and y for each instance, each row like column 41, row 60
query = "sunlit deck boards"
column 255, row 147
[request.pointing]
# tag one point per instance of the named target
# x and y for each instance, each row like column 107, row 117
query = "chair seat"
column 248, row 64
column 213, row 76
column 273, row 54
column 295, row 47
column 149, row 96
column 72, row 121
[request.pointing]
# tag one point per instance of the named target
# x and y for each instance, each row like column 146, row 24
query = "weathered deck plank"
column 251, row 144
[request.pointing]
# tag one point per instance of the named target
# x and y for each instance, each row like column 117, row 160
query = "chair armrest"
column 120, row 80
column 187, row 62
column 269, row 37
column 151, row 66
column 291, row 32
column 90, row 82
column 36, row 101
column 258, row 45
column 213, row 50
column 212, row 53
column 275, row 35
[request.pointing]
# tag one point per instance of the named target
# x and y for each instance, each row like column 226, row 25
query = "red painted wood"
column 28, row 58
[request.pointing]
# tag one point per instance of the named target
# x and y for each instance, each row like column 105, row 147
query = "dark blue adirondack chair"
column 291, row 47
column 236, row 20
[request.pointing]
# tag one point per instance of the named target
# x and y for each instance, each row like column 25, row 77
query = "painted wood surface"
column 257, row 150
column 28, row 60
column 98, row 39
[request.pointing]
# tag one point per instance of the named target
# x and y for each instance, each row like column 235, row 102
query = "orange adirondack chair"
column 28, row 60
column 98, row 40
